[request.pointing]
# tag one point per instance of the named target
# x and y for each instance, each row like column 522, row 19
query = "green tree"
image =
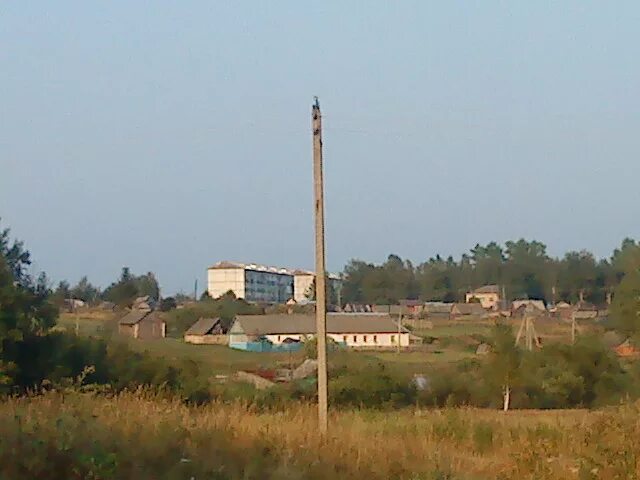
column 331, row 288
column 124, row 291
column 355, row 273
column 437, row 280
column 503, row 366
column 61, row 293
column 577, row 276
column 488, row 262
column 147, row 285
column 527, row 264
column 85, row 291
column 625, row 309
column 25, row 310
column 128, row 287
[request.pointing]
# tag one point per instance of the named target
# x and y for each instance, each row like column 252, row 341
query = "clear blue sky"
column 169, row 135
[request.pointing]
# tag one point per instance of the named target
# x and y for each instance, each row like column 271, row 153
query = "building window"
column 375, row 339
column 344, row 338
column 364, row 338
column 355, row 339
column 278, row 337
column 393, row 339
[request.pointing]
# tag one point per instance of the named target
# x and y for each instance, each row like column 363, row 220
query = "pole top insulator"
column 316, row 103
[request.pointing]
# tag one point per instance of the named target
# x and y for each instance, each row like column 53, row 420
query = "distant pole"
column 573, row 327
column 73, row 306
column 399, row 327
column 195, row 291
column 321, row 301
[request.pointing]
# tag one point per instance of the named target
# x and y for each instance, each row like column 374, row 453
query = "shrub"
column 374, row 387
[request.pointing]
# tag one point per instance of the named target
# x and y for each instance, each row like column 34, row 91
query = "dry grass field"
column 144, row 436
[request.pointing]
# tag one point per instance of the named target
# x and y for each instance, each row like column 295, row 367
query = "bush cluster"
column 556, row 376
column 57, row 359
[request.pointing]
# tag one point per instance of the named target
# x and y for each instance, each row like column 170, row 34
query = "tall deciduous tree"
column 503, row 367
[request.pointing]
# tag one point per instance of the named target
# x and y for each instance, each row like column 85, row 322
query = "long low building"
column 351, row 330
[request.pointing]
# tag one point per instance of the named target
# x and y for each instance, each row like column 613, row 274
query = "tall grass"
column 148, row 436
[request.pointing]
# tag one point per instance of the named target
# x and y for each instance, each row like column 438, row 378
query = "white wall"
column 360, row 340
column 487, row 300
column 301, row 284
column 221, row 280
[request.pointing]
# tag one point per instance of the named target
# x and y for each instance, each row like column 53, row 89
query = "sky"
column 166, row 136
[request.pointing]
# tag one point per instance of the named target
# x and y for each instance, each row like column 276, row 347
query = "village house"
column 460, row 311
column 404, row 308
column 435, row 310
column 584, row 310
column 350, row 330
column 144, row 321
column 487, row 295
column 530, row 307
column 562, row 311
column 206, row 331
column 411, row 307
column 143, row 324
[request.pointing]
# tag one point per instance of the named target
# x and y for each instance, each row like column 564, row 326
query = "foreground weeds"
column 145, row 436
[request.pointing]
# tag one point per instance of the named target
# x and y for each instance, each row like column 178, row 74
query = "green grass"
column 221, row 360
column 415, row 362
column 457, row 329
column 86, row 325
column 218, row 359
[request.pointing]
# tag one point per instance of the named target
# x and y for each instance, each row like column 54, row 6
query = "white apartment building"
column 259, row 283
column 254, row 283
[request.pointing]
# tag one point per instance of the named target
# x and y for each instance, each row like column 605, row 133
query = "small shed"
column 143, row 324
column 206, row 331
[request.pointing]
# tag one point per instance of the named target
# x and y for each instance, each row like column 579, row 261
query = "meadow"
column 146, row 435
column 152, row 432
column 449, row 342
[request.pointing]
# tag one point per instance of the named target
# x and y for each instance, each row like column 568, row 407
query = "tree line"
column 522, row 268
column 121, row 292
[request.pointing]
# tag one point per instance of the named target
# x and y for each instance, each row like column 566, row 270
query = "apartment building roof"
column 225, row 264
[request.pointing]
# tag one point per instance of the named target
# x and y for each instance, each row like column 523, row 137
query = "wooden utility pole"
column 399, row 327
column 528, row 330
column 573, row 327
column 321, row 291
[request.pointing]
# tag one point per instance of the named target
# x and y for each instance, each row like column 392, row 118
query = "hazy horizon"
column 167, row 137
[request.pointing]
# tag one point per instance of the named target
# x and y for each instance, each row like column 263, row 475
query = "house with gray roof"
column 143, row 324
column 467, row 310
column 207, row 331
